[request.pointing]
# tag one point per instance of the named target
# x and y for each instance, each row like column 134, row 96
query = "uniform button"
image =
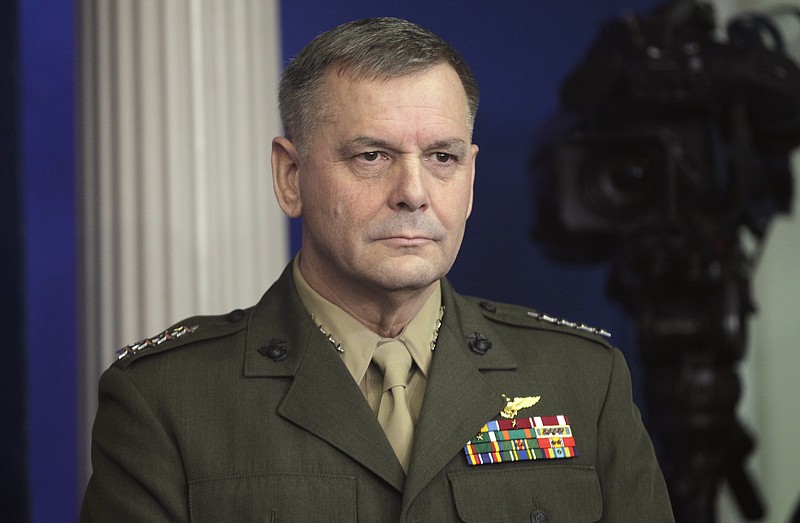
column 539, row 516
column 485, row 305
column 235, row 315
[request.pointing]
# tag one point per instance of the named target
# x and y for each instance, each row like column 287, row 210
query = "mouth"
column 407, row 240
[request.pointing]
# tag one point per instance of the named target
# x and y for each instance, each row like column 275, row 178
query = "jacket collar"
column 325, row 400
column 323, row 397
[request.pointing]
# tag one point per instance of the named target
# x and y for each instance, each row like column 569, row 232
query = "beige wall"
column 772, row 369
column 771, row 372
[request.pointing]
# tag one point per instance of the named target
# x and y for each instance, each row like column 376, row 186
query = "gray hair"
column 368, row 49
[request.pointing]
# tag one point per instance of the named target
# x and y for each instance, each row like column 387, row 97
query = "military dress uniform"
column 253, row 416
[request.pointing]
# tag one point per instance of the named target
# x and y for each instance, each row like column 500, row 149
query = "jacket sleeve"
column 631, row 480
column 137, row 469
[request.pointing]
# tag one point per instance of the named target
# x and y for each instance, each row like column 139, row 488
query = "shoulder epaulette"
column 192, row 330
column 525, row 317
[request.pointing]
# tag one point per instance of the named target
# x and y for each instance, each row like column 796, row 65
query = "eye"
column 443, row 157
column 371, row 156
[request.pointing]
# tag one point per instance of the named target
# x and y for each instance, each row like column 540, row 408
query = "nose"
column 409, row 191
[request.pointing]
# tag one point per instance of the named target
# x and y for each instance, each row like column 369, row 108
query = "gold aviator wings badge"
column 516, row 404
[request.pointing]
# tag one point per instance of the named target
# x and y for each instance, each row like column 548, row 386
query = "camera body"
column 677, row 128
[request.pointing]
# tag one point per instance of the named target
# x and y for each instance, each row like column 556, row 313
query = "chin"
column 411, row 276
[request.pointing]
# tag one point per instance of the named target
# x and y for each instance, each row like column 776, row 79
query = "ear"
column 285, row 176
column 472, row 178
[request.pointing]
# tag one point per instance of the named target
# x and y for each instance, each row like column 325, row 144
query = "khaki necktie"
column 394, row 416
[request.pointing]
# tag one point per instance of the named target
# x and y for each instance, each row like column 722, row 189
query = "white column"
column 177, row 108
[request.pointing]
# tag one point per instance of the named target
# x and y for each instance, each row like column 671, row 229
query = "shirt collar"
column 357, row 341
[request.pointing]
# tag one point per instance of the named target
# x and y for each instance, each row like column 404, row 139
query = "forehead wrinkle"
column 369, row 141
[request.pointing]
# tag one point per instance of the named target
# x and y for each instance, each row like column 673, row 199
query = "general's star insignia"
column 512, row 406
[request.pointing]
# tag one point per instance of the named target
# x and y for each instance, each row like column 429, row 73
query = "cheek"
column 345, row 212
column 320, row 195
column 363, row 201
column 454, row 208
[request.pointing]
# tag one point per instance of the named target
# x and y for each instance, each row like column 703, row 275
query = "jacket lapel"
column 458, row 399
column 323, row 398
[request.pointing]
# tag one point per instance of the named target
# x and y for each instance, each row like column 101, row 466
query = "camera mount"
column 676, row 167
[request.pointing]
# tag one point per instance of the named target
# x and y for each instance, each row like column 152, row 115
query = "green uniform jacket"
column 253, row 417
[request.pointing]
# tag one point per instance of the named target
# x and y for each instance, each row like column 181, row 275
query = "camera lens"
column 622, row 186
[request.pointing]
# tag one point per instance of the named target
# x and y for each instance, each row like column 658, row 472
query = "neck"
column 384, row 312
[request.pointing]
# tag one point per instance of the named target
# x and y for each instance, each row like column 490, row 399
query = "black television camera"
column 678, row 126
column 677, row 164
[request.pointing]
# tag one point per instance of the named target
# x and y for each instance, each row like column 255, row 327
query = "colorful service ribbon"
column 520, row 439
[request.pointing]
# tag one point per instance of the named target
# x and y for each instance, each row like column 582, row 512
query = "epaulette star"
column 559, row 321
column 167, row 335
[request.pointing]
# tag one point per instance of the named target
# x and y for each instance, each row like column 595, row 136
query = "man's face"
column 386, row 188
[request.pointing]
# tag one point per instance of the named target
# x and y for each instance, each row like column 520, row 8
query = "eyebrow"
column 453, row 144
column 362, row 141
column 457, row 144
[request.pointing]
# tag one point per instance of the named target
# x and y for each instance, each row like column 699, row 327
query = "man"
column 361, row 386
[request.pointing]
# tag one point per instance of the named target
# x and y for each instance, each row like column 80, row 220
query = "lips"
column 407, row 240
column 414, row 229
